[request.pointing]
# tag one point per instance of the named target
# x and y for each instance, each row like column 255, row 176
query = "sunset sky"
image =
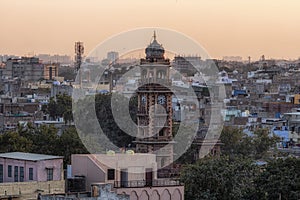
column 222, row 27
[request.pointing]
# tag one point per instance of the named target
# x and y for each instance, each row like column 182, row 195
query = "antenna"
column 79, row 50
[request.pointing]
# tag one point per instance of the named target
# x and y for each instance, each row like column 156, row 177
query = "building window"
column 1, row 173
column 49, row 174
column 111, row 174
column 9, row 171
column 161, row 133
column 163, row 161
column 30, row 174
column 21, row 174
column 16, row 174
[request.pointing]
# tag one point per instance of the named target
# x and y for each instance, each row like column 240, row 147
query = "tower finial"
column 154, row 35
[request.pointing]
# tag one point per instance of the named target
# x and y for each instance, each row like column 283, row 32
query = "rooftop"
column 28, row 156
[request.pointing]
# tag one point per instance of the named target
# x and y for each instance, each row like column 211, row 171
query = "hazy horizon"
column 223, row 27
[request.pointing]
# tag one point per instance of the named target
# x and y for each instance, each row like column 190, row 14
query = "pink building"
column 130, row 174
column 26, row 167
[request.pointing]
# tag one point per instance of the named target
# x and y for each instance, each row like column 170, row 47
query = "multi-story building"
column 14, row 110
column 112, row 56
column 29, row 69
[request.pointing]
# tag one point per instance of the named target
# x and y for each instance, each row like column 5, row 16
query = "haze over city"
column 224, row 28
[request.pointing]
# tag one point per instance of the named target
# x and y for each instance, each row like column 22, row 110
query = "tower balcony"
column 152, row 80
column 156, row 61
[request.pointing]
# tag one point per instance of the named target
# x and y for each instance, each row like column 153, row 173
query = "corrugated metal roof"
column 28, row 156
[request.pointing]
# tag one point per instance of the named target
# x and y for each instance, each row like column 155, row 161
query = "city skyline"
column 223, row 28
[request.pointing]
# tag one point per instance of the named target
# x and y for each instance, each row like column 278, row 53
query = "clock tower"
column 155, row 106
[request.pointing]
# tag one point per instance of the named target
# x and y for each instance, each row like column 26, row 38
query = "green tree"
column 236, row 143
column 232, row 139
column 219, row 178
column 12, row 141
column 108, row 122
column 45, row 139
column 61, row 106
column 262, row 142
column 70, row 143
column 279, row 180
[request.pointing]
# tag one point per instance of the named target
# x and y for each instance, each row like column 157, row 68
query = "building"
column 155, row 106
column 113, row 168
column 112, row 56
column 29, row 69
column 293, row 122
column 51, row 71
column 59, row 89
column 129, row 173
column 25, row 175
column 14, row 110
column 186, row 64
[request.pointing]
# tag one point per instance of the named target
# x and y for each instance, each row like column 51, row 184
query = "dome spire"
column 154, row 49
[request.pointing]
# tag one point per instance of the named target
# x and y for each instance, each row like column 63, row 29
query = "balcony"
column 145, row 81
column 147, row 183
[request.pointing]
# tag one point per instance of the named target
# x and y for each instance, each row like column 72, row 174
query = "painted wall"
column 94, row 167
column 39, row 169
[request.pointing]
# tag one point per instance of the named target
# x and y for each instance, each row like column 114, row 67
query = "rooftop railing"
column 147, row 183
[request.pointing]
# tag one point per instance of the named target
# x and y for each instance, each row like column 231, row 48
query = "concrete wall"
column 56, row 164
column 297, row 99
column 82, row 165
column 94, row 167
column 104, row 192
column 30, row 190
column 18, row 163
column 154, row 193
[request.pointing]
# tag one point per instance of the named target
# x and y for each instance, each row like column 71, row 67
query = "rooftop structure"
column 28, row 156
column 129, row 173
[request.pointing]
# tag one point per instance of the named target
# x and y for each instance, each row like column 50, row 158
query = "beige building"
column 50, row 71
column 128, row 173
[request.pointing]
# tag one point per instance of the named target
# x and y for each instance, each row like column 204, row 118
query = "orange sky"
column 222, row 27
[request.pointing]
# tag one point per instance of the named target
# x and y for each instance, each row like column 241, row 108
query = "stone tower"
column 155, row 105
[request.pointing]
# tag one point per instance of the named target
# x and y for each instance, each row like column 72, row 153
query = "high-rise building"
column 112, row 56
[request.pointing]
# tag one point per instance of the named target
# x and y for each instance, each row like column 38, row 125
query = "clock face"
column 161, row 99
column 143, row 99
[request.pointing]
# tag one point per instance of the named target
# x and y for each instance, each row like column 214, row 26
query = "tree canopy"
column 43, row 140
column 236, row 174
